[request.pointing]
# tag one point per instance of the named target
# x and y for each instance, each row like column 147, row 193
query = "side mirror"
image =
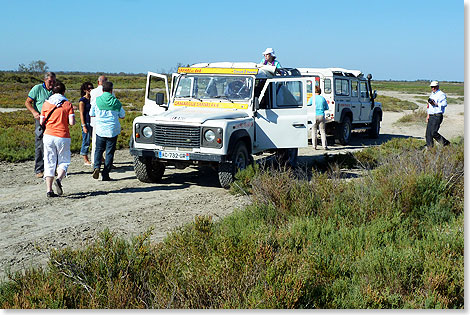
column 256, row 104
column 159, row 98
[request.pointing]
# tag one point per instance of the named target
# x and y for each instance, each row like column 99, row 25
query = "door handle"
column 298, row 125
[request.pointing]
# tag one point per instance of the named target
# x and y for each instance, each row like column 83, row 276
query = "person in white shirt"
column 437, row 104
column 98, row 91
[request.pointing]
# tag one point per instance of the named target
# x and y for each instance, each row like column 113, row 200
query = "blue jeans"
column 38, row 151
column 105, row 144
column 86, row 138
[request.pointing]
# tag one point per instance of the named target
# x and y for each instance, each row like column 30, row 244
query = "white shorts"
column 56, row 154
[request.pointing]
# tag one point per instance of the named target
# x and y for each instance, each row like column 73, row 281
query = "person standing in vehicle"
column 320, row 107
column 56, row 138
column 107, row 112
column 437, row 104
column 84, row 107
column 270, row 58
column 96, row 92
column 36, row 97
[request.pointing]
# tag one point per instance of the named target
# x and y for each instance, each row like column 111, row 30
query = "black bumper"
column 192, row 156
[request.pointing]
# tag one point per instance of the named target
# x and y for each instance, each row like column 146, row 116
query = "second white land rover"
column 219, row 114
column 350, row 98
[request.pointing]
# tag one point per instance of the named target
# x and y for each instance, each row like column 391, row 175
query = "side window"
column 354, row 88
column 309, row 90
column 266, row 101
column 156, row 85
column 327, row 86
column 288, row 94
column 342, row 87
column 364, row 91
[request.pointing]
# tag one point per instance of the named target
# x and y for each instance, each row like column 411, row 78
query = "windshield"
column 203, row 87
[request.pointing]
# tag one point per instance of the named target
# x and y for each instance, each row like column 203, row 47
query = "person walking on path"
column 34, row 102
column 437, row 104
column 107, row 112
column 59, row 113
column 96, row 92
column 270, row 58
column 320, row 107
column 84, row 107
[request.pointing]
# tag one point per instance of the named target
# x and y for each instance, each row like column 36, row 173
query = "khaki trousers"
column 319, row 121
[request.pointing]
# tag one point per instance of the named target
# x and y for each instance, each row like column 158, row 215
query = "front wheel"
column 148, row 170
column 239, row 161
column 344, row 131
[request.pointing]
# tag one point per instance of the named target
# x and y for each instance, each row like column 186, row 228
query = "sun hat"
column 434, row 83
column 269, row 51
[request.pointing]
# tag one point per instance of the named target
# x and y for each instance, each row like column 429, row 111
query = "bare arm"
column 30, row 106
column 81, row 107
column 72, row 119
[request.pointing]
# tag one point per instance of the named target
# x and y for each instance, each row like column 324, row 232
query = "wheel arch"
column 239, row 135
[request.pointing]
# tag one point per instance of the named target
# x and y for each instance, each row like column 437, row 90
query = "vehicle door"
column 281, row 120
column 365, row 101
column 156, row 83
column 355, row 102
column 342, row 94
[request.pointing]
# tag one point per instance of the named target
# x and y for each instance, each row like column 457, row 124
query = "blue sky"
column 398, row 40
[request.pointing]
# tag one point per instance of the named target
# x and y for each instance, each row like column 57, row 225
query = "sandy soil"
column 30, row 224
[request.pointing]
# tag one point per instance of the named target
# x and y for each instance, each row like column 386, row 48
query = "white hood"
column 198, row 116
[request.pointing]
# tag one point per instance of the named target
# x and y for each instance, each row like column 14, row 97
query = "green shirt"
column 39, row 94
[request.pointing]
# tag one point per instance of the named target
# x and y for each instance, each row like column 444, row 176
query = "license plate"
column 173, row 155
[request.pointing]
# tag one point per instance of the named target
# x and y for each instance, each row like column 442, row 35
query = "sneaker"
column 96, row 173
column 87, row 163
column 58, row 186
column 40, row 175
column 51, row 194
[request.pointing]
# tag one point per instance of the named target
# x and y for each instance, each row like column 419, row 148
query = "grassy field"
column 391, row 239
column 418, row 87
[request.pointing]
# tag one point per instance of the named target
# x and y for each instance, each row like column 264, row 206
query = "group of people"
column 100, row 112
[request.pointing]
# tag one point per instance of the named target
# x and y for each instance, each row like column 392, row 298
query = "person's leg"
column 323, row 133
column 38, row 152
column 100, row 147
column 50, row 159
column 429, row 131
column 314, row 133
column 436, row 135
column 109, row 158
column 93, row 146
column 85, row 144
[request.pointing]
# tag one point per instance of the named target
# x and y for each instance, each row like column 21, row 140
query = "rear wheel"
column 287, row 156
column 148, row 170
column 375, row 126
column 344, row 131
column 240, row 160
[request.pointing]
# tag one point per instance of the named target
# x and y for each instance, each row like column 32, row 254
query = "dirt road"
column 29, row 221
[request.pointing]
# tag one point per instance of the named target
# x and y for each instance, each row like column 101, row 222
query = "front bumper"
column 192, row 156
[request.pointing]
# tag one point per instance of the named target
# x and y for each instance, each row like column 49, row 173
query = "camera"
column 432, row 102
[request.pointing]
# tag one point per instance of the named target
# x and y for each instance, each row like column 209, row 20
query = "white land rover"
column 350, row 99
column 219, row 114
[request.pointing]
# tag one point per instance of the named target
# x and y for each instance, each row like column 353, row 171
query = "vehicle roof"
column 263, row 71
column 332, row 71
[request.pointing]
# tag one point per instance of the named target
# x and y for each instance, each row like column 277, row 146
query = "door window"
column 354, row 88
column 364, row 90
column 288, row 94
column 327, row 86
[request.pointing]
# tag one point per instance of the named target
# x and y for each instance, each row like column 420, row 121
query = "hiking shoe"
column 58, row 186
column 96, row 173
column 106, row 178
column 51, row 194
column 40, row 175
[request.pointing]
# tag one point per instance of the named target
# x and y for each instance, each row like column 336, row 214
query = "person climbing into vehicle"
column 270, row 58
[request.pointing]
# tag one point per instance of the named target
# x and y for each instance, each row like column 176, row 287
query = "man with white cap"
column 270, row 58
column 437, row 104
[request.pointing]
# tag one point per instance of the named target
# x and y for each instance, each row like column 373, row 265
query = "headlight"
column 147, row 132
column 209, row 135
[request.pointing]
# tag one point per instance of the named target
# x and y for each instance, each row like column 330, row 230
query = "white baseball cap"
column 434, row 83
column 269, row 51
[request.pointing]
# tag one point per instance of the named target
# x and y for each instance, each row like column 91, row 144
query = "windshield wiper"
column 222, row 96
column 189, row 96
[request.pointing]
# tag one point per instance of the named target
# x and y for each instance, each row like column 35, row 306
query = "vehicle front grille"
column 178, row 136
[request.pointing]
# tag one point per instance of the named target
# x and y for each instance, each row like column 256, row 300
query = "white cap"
column 434, row 83
column 269, row 51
